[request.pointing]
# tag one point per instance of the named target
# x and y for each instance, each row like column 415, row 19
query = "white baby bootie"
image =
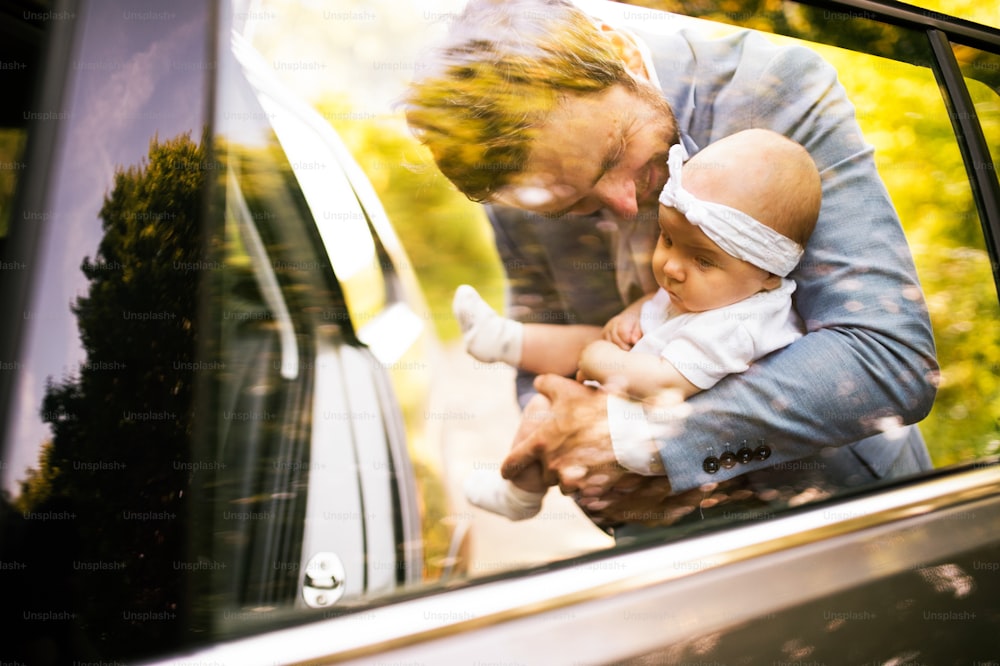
column 488, row 336
column 490, row 491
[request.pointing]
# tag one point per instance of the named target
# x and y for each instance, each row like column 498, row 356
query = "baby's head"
column 734, row 219
column 763, row 174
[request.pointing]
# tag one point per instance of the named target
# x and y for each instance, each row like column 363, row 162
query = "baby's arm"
column 640, row 376
column 557, row 349
column 625, row 329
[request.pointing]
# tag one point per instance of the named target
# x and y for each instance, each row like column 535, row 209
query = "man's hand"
column 569, row 438
column 637, row 499
column 529, row 475
column 647, row 500
column 571, row 442
column 573, row 445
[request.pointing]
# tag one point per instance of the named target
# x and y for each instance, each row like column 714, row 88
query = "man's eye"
column 612, row 159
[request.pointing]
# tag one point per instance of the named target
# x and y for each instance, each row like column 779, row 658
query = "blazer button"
column 744, row 455
column 710, row 464
column 763, row 452
column 728, row 459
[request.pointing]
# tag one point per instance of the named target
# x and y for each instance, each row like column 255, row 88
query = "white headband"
column 735, row 232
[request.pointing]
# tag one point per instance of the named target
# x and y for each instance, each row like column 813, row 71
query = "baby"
column 734, row 220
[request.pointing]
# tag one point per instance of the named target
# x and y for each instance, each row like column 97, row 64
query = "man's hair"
column 503, row 66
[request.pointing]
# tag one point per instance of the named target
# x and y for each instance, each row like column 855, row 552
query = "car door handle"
column 323, row 580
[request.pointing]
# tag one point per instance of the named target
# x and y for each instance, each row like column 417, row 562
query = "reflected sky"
column 362, row 49
column 133, row 82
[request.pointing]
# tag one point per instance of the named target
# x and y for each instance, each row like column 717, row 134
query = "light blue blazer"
column 866, row 365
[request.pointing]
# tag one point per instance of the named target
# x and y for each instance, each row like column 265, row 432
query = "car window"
column 314, row 495
column 887, row 74
column 98, row 383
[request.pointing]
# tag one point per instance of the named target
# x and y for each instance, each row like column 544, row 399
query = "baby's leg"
column 488, row 336
column 538, row 348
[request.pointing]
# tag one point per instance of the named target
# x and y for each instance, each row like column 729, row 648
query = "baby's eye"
column 704, row 263
column 666, row 239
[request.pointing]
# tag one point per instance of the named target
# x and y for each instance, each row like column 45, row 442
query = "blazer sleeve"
column 867, row 362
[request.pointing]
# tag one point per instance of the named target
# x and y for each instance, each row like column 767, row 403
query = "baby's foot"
column 488, row 336
column 492, row 492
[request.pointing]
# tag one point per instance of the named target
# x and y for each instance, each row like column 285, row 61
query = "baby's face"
column 696, row 273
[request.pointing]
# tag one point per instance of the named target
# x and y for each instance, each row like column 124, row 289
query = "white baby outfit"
column 707, row 346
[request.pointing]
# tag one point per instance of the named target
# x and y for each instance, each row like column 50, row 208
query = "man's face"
column 605, row 150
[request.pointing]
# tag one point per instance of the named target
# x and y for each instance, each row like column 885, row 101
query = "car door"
column 208, row 379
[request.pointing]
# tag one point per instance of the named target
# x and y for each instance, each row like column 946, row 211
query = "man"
column 567, row 123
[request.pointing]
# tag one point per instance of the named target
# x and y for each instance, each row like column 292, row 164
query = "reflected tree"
column 121, row 425
column 848, row 30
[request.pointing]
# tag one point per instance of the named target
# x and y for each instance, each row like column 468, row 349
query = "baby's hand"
column 623, row 329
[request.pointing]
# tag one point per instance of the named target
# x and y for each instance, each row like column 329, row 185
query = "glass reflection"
column 126, row 415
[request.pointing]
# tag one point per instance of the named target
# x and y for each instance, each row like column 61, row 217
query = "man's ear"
column 628, row 50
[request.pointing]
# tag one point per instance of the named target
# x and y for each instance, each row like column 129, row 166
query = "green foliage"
column 963, row 424
column 12, row 142
column 972, row 10
column 36, row 487
column 901, row 112
column 446, row 236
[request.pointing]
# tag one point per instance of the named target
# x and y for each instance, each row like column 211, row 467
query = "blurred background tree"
column 445, row 235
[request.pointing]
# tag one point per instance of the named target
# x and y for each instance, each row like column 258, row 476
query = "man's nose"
column 619, row 196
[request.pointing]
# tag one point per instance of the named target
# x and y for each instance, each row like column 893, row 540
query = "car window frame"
column 564, row 612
